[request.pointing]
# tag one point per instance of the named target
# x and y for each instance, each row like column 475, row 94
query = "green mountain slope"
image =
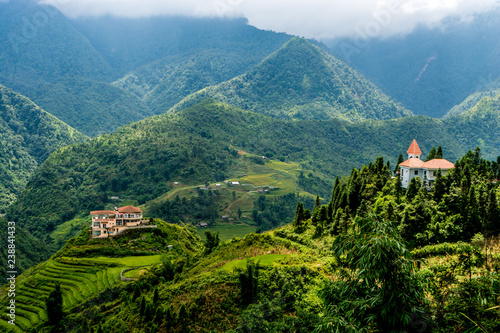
column 128, row 44
column 88, row 268
column 166, row 82
column 199, row 145
column 302, row 81
column 471, row 101
column 433, row 68
column 28, row 135
column 90, row 106
column 46, row 58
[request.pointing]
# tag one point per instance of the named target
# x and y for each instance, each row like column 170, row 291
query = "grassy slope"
column 85, row 268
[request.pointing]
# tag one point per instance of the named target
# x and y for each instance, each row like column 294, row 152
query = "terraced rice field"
column 79, row 279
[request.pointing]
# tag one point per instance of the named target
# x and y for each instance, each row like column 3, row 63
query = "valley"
column 270, row 165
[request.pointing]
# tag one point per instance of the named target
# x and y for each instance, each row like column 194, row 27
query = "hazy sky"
column 309, row 18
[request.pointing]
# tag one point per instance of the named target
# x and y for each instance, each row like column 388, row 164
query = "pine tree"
column 439, row 187
column 491, row 222
column 432, row 154
column 413, row 188
column 54, row 305
column 156, row 297
column 143, row 306
column 299, row 215
column 400, row 160
column 439, row 153
column 137, row 292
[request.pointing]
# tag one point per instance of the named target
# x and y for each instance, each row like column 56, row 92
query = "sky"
column 320, row 19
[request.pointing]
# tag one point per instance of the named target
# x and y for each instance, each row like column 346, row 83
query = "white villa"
column 108, row 223
column 415, row 167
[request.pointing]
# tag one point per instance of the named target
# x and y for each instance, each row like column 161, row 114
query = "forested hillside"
column 376, row 258
column 200, row 144
column 67, row 66
column 302, row 81
column 28, row 136
column 431, row 69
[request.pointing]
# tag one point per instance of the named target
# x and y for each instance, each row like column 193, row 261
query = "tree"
column 379, row 288
column 211, row 242
column 413, row 188
column 432, row 154
column 299, row 215
column 439, row 152
column 156, row 297
column 400, row 160
column 137, row 292
column 249, row 283
column 239, row 213
column 54, row 305
column 439, row 186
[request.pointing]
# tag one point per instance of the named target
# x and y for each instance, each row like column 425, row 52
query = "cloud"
column 313, row 18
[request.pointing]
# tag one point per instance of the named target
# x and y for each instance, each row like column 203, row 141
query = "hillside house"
column 108, row 223
column 414, row 166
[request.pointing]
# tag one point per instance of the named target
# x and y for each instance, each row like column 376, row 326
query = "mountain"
column 45, row 58
column 471, row 101
column 164, row 83
column 199, row 145
column 302, row 81
column 28, row 136
column 68, row 66
column 431, row 69
column 129, row 44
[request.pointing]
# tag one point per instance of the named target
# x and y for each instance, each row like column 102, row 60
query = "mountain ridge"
column 318, row 87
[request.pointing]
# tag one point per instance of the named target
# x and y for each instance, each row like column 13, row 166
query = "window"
column 416, row 172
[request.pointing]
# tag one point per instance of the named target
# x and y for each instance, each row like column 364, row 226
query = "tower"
column 414, row 150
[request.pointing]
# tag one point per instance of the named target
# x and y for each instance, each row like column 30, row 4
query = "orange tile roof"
column 102, row 212
column 414, row 148
column 439, row 163
column 435, row 164
column 129, row 209
column 412, row 163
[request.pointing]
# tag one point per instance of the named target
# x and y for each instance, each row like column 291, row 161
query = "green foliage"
column 249, row 279
column 270, row 213
column 28, row 136
column 211, row 242
column 54, row 306
column 441, row 249
column 378, row 287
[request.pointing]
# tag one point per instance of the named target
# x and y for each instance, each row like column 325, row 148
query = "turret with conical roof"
column 414, row 150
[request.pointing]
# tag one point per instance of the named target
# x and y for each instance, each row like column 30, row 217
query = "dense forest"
column 375, row 257
column 141, row 159
column 28, row 135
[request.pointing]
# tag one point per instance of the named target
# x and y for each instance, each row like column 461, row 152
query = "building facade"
column 108, row 223
column 414, row 166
